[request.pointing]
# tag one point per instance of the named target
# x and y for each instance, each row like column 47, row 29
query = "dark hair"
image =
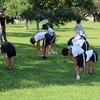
column 32, row 41
column 78, row 21
column 70, row 41
column 65, row 51
column 45, row 26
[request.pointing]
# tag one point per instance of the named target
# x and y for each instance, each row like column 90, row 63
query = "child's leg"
column 80, row 70
column 92, row 67
column 86, row 67
column 46, row 50
column 8, row 63
column 54, row 47
column 12, row 62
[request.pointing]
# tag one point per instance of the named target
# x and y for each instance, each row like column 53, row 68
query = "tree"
column 96, row 10
column 58, row 12
column 15, row 8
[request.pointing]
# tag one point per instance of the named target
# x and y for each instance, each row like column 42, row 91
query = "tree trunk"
column 37, row 26
column 26, row 24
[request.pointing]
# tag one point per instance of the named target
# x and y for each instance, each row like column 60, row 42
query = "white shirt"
column 76, row 50
column 50, row 31
column 78, row 41
column 39, row 36
column 89, row 54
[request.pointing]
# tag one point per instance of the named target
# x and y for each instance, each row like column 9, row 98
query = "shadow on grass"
column 31, row 71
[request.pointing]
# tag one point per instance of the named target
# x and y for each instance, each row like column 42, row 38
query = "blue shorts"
column 81, row 60
column 94, row 57
column 48, row 40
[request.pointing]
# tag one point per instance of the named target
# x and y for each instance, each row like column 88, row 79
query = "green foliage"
column 56, row 11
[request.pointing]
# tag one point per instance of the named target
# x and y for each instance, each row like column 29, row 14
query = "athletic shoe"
column 44, row 57
column 78, row 77
column 90, row 73
column 49, row 52
column 54, row 52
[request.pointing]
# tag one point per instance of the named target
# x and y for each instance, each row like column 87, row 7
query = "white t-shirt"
column 76, row 50
column 78, row 41
column 89, row 54
column 39, row 36
column 50, row 31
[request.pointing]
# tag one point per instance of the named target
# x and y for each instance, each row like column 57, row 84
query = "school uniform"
column 79, row 41
column 78, row 53
column 51, row 32
column 43, row 36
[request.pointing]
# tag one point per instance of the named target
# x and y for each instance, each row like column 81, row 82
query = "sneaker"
column 44, row 57
column 54, row 52
column 9, row 69
column 49, row 52
column 78, row 77
column 90, row 73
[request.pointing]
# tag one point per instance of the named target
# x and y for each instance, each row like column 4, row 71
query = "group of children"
column 78, row 49
column 48, row 38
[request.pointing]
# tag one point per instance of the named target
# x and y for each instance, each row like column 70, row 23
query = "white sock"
column 78, row 77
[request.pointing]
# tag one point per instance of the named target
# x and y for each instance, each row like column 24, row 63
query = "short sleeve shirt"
column 39, row 36
column 76, row 50
column 50, row 31
column 79, row 42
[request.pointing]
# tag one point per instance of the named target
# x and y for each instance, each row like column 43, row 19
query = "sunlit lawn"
column 33, row 78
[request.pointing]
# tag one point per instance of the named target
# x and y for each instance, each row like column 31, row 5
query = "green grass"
column 53, row 79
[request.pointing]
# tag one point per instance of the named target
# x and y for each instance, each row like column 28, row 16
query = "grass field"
column 33, row 78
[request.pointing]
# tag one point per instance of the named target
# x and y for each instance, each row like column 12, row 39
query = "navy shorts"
column 48, row 40
column 85, row 46
column 53, row 39
column 81, row 60
column 11, row 54
column 94, row 57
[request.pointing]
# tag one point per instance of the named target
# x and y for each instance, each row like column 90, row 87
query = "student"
column 47, row 40
column 79, row 29
column 53, row 35
column 80, row 58
column 79, row 41
column 8, row 49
